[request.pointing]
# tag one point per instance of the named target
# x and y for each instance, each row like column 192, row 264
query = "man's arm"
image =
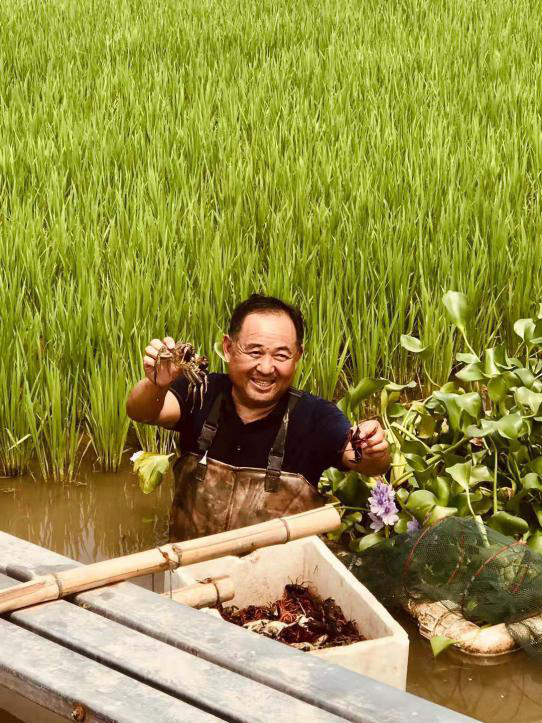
column 150, row 401
column 152, row 404
column 373, row 447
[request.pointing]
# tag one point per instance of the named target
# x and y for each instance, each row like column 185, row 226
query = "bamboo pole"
column 205, row 593
column 167, row 557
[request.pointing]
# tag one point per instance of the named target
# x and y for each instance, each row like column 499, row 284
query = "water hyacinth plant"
column 472, row 447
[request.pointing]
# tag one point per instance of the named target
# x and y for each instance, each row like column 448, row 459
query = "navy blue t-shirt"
column 317, row 431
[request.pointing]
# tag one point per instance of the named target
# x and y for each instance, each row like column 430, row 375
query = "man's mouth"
column 263, row 384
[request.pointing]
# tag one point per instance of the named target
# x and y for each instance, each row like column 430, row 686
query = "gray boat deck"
column 123, row 653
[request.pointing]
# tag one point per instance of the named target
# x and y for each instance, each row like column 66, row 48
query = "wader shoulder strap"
column 207, row 434
column 276, row 456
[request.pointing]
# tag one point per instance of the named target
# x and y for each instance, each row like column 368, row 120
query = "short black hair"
column 257, row 303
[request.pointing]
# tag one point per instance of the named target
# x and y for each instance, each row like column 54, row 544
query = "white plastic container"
column 260, row 578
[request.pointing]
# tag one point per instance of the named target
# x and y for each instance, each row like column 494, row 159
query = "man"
column 256, row 448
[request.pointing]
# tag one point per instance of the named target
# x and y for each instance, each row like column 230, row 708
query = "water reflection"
column 106, row 517
column 494, row 693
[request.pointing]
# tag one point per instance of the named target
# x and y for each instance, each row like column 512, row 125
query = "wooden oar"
column 234, row 542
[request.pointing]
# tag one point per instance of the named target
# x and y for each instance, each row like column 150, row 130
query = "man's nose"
column 266, row 365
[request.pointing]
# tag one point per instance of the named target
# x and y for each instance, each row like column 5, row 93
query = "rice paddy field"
column 161, row 161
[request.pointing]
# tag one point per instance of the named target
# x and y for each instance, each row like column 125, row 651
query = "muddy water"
column 107, row 515
column 100, row 516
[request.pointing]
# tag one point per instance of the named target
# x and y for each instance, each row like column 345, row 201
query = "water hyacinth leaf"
column 526, row 377
column 467, row 358
column 420, row 503
column 352, row 517
column 470, row 403
column 461, row 473
column 535, row 541
column 369, row 540
column 487, row 426
column 480, row 473
column 479, row 503
column 537, row 509
column 439, row 643
column 497, row 388
column 416, row 462
column 452, row 409
column 400, row 526
column 526, row 398
column 438, row 513
column 150, row 469
column 536, row 339
column 402, row 495
column 470, row 373
column 457, row 308
column 334, row 476
column 352, row 490
column 426, row 426
column 395, row 411
column 364, row 389
column 412, row 446
column 511, row 426
column 508, row 524
column 525, row 329
column 440, row 487
column 410, row 343
column 531, row 481
column 393, row 387
column 494, row 361
column 450, row 388
column 536, row 465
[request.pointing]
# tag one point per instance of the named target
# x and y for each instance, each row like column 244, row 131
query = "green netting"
column 490, row 577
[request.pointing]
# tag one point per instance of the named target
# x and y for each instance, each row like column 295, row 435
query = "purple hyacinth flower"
column 382, row 509
column 413, row 525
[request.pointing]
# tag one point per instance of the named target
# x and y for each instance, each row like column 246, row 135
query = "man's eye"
column 282, row 358
column 254, row 354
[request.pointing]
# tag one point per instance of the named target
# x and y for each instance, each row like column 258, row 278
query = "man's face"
column 262, row 358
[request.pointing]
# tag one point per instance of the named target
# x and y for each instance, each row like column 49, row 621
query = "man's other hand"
column 373, row 447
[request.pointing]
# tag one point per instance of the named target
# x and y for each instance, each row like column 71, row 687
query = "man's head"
column 263, row 346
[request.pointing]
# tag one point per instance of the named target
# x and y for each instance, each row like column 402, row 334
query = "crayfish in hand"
column 193, row 366
column 356, row 439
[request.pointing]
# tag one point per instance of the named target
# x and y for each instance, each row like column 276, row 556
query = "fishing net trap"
column 479, row 575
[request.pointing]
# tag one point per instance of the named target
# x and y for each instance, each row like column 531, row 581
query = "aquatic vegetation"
column 156, row 167
column 471, row 448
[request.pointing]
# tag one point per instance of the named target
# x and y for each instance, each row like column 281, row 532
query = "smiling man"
column 256, row 448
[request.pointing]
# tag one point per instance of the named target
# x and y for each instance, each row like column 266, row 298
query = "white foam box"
column 260, row 577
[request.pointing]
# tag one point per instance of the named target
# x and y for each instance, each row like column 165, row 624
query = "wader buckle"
column 201, row 469
column 271, row 483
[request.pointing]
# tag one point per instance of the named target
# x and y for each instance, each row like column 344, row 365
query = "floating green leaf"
column 150, row 469
column 439, row 643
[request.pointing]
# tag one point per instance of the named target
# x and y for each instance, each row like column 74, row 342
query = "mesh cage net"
column 491, row 578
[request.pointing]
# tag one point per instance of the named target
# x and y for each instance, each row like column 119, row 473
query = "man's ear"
column 300, row 351
column 227, row 345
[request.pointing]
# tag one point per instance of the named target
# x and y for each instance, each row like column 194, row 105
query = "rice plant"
column 158, row 165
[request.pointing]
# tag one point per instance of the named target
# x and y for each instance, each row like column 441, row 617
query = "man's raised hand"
column 165, row 372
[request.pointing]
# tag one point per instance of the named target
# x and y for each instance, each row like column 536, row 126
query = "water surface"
column 106, row 515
